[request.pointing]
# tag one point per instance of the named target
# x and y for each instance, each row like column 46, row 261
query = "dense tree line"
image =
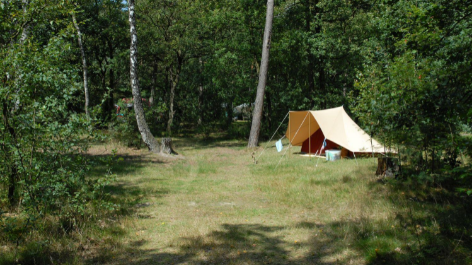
column 402, row 68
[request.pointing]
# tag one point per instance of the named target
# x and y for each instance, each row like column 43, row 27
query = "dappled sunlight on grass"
column 219, row 207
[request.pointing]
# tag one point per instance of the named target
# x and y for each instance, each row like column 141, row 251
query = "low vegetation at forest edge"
column 219, row 207
column 79, row 79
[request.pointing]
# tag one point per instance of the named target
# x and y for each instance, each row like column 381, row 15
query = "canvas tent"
column 310, row 129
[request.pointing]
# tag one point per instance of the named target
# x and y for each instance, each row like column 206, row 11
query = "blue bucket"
column 333, row 155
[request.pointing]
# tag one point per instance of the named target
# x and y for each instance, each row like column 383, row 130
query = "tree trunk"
column 171, row 105
column 112, row 82
column 154, row 83
column 388, row 167
column 200, row 94
column 259, row 104
column 229, row 111
column 13, row 174
column 146, row 134
column 24, row 36
column 174, row 80
column 84, row 64
column 310, row 56
column 167, row 146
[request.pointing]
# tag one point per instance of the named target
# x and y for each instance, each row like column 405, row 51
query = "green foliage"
column 239, row 130
column 43, row 167
column 402, row 68
column 124, row 128
column 413, row 90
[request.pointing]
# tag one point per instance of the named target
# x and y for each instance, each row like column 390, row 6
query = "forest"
column 80, row 79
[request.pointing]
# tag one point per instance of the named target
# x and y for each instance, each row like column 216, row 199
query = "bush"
column 124, row 127
column 44, row 171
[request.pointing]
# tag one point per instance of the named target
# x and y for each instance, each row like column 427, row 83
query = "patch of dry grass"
column 218, row 207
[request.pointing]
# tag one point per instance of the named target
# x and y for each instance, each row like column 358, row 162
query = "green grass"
column 218, row 207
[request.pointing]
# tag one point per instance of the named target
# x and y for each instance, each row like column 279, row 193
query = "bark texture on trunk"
column 25, row 33
column 174, row 81
column 146, row 134
column 171, row 105
column 259, row 104
column 167, row 147
column 84, row 64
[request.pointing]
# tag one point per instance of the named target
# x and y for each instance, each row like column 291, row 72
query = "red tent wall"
column 315, row 142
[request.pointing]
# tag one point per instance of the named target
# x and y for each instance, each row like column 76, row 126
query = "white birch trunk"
column 146, row 134
column 24, row 36
column 84, row 65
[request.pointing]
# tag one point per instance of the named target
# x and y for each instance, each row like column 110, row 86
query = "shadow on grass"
column 249, row 244
column 232, row 244
column 208, row 143
column 120, row 164
column 434, row 226
column 127, row 193
column 370, row 243
column 92, row 237
column 430, row 227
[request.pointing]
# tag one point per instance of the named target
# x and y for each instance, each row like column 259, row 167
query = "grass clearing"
column 218, row 207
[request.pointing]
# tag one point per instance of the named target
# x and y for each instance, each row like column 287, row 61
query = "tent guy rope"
column 324, row 141
column 272, row 137
column 290, row 144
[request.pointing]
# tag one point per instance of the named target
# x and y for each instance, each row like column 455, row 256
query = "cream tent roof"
column 336, row 126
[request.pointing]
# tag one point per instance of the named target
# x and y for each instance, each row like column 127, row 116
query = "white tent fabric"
column 336, row 126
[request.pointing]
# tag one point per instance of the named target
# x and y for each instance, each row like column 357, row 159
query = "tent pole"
column 289, row 132
column 317, row 154
column 309, row 137
column 372, row 145
column 355, row 157
column 320, row 152
column 295, row 132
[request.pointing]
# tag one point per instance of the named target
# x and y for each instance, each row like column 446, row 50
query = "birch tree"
column 84, row 64
column 146, row 134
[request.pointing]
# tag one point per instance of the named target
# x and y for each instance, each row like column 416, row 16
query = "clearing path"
column 218, row 207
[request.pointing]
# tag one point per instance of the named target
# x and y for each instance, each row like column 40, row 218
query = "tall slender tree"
column 84, row 64
column 259, row 104
column 146, row 134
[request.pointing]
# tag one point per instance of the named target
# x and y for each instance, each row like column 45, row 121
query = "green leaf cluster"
column 414, row 89
column 44, row 170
